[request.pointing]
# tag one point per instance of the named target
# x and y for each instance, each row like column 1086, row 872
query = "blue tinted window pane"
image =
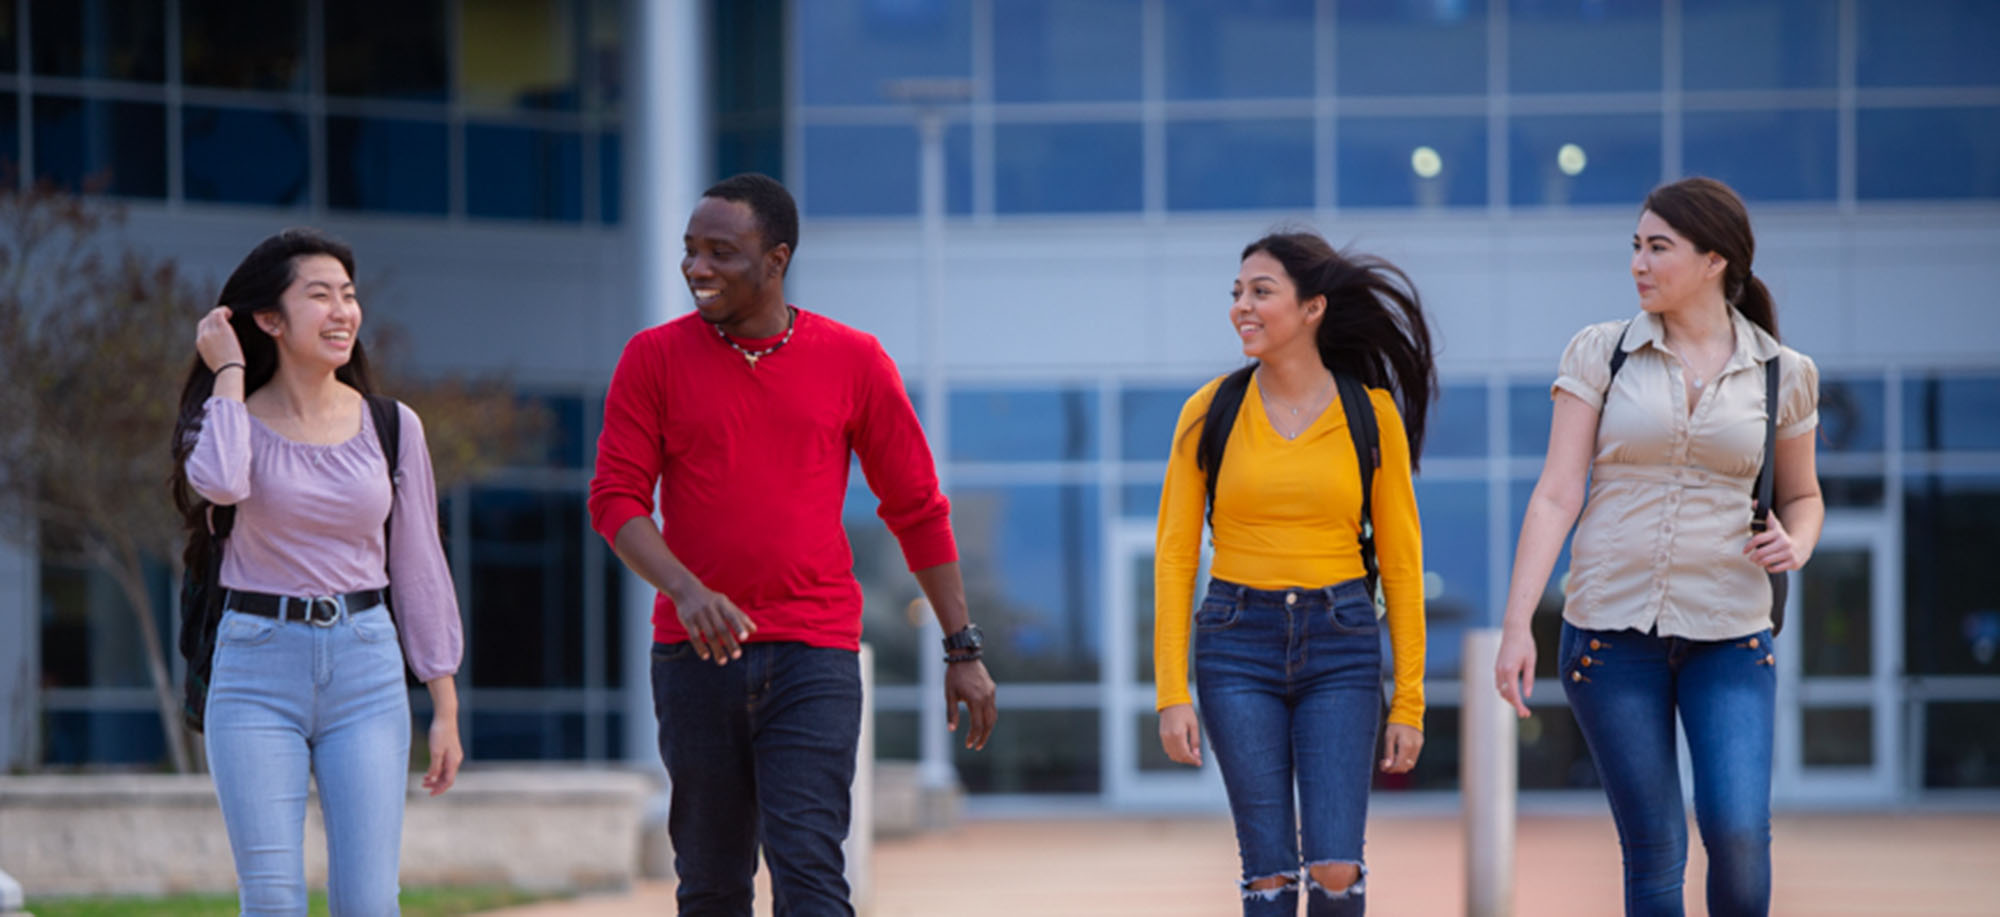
column 871, row 170
column 117, row 147
column 1397, row 47
column 559, row 444
column 1583, row 45
column 1851, row 415
column 239, row 156
column 1239, row 165
column 849, row 48
column 10, row 134
column 527, row 582
column 1951, row 623
column 1759, row 44
column 1067, row 168
column 394, row 49
column 1951, row 413
column 1927, row 43
column 523, row 173
column 1457, row 425
column 1023, row 426
column 1140, row 501
column 1030, row 555
column 1928, row 153
column 751, row 149
column 1065, row 50
column 1380, row 159
column 528, row 736
column 258, row 44
column 1529, row 413
column 1577, row 159
column 1765, row 155
column 103, row 737
column 1147, row 421
column 1218, row 49
column 611, row 174
column 109, row 39
column 1455, row 587
column 380, row 164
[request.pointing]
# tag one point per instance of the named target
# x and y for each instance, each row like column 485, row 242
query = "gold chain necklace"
column 752, row 356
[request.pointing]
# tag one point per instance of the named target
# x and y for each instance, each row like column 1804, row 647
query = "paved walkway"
column 1825, row 866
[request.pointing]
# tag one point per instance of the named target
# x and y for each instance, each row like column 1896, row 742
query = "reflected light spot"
column 1426, row 162
column 1433, row 585
column 1571, row 160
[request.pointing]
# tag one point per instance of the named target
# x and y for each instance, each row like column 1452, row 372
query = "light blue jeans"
column 289, row 699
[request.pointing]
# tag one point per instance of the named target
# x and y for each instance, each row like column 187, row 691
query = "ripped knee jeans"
column 1290, row 686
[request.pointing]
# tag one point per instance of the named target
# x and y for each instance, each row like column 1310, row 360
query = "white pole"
column 1487, row 780
column 666, row 167
column 11, row 899
column 935, row 769
column 860, row 846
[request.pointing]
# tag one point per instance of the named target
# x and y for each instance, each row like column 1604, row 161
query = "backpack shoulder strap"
column 388, row 417
column 1617, row 357
column 1361, row 427
column 1220, row 419
column 1767, row 473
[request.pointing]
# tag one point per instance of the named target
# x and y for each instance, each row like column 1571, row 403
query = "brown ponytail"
column 1709, row 214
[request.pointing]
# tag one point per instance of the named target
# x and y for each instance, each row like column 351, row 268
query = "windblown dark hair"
column 1709, row 214
column 255, row 286
column 777, row 214
column 1373, row 330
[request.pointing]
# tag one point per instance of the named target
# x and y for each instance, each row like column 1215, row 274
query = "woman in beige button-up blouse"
column 1669, row 603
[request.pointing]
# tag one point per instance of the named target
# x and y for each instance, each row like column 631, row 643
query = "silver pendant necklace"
column 752, row 356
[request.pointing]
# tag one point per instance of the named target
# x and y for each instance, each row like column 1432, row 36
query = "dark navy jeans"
column 760, row 752
column 1625, row 688
column 1290, row 684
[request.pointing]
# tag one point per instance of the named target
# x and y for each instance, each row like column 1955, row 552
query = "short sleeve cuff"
column 1580, row 389
column 1800, row 427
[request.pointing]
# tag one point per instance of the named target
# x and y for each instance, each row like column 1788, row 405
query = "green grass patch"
column 417, row 902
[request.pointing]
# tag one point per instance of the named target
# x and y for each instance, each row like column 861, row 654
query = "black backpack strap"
column 1617, row 362
column 1368, row 456
column 389, row 433
column 1767, row 476
column 1221, row 416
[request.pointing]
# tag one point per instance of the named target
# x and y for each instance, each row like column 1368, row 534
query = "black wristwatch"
column 964, row 645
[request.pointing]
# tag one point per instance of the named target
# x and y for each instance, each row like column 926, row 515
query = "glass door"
column 1838, row 663
column 1137, row 772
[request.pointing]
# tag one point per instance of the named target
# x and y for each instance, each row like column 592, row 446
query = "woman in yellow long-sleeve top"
column 1287, row 648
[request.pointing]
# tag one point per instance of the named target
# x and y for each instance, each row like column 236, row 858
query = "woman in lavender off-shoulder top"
column 308, row 660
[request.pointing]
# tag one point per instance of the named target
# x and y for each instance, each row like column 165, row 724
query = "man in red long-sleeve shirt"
column 744, row 415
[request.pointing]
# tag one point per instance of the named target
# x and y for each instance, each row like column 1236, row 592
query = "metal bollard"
column 11, row 899
column 1487, row 766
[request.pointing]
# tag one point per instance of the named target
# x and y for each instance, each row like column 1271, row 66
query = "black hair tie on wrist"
column 219, row 369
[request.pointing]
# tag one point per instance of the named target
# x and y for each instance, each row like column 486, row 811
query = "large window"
column 502, row 110
column 1197, row 106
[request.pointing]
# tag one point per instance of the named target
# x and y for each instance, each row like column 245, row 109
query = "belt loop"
column 1327, row 592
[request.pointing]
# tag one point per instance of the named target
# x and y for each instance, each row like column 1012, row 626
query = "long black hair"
column 255, row 286
column 1708, row 214
column 1373, row 329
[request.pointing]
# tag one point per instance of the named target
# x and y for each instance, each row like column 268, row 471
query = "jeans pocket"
column 239, row 629
column 374, row 628
column 1216, row 614
column 672, row 652
column 1353, row 616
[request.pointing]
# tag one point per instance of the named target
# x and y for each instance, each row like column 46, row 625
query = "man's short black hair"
column 777, row 215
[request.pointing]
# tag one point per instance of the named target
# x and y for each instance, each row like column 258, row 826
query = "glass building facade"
column 1111, row 158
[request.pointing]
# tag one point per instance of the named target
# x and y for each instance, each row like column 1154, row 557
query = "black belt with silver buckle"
column 321, row 610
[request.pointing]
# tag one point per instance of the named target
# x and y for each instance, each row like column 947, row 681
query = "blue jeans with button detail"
column 1290, row 685
column 288, row 699
column 1625, row 688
